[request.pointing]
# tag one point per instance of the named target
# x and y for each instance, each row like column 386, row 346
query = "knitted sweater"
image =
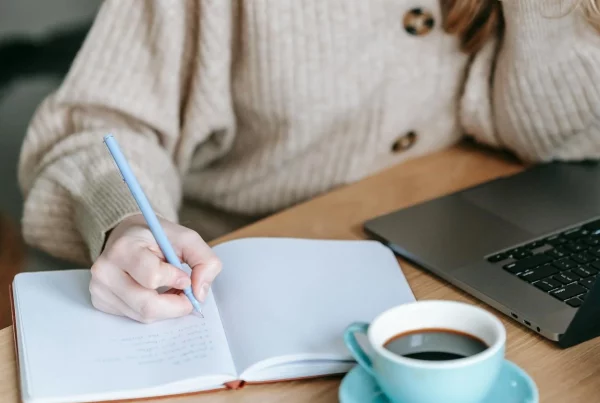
column 251, row 106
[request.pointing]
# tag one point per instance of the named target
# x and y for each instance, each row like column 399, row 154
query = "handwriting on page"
column 176, row 346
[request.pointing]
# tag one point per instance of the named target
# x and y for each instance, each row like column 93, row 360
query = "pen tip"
column 198, row 314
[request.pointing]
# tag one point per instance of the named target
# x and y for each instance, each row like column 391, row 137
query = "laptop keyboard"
column 564, row 265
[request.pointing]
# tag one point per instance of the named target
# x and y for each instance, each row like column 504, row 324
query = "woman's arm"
column 537, row 90
column 128, row 79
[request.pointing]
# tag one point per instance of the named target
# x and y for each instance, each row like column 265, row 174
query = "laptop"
column 526, row 244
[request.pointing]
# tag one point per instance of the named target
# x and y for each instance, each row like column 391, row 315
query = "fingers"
column 131, row 268
column 204, row 263
column 104, row 307
column 148, row 304
column 105, row 300
column 148, row 270
column 114, row 291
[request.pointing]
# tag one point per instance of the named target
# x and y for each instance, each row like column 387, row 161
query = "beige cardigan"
column 251, row 106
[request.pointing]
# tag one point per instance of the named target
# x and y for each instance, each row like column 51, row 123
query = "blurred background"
column 38, row 41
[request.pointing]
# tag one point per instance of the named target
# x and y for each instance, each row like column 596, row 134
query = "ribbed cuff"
column 536, row 28
column 106, row 202
column 546, row 100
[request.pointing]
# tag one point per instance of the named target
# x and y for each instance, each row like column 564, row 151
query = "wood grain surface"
column 562, row 375
column 12, row 259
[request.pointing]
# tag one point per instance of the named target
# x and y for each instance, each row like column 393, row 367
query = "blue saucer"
column 513, row 386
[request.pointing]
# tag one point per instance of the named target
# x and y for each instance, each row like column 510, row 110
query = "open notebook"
column 277, row 311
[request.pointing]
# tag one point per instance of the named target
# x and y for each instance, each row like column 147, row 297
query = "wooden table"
column 562, row 375
column 12, row 259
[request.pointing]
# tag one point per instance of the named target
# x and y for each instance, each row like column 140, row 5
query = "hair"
column 475, row 21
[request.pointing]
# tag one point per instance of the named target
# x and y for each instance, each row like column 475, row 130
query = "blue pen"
column 144, row 205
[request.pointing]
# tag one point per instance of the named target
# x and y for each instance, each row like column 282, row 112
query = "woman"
column 247, row 107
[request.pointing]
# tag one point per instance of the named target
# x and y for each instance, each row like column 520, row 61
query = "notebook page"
column 71, row 349
column 282, row 299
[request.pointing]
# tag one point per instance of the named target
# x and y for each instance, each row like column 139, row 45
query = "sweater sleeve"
column 536, row 91
column 128, row 79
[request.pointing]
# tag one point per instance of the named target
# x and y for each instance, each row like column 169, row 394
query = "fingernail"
column 203, row 292
column 183, row 282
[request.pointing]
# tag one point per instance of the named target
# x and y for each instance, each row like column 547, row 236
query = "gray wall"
column 37, row 17
column 35, row 20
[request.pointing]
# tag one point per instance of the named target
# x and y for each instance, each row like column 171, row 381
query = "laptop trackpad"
column 544, row 199
column 447, row 233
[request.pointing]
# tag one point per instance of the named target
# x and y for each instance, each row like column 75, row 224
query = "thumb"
column 203, row 275
column 204, row 263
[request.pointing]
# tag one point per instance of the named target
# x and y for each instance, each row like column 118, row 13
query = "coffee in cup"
column 432, row 351
column 435, row 345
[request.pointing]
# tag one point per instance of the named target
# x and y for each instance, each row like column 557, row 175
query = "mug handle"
column 359, row 354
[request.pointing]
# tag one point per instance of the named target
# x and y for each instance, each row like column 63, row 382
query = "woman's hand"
column 131, row 267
